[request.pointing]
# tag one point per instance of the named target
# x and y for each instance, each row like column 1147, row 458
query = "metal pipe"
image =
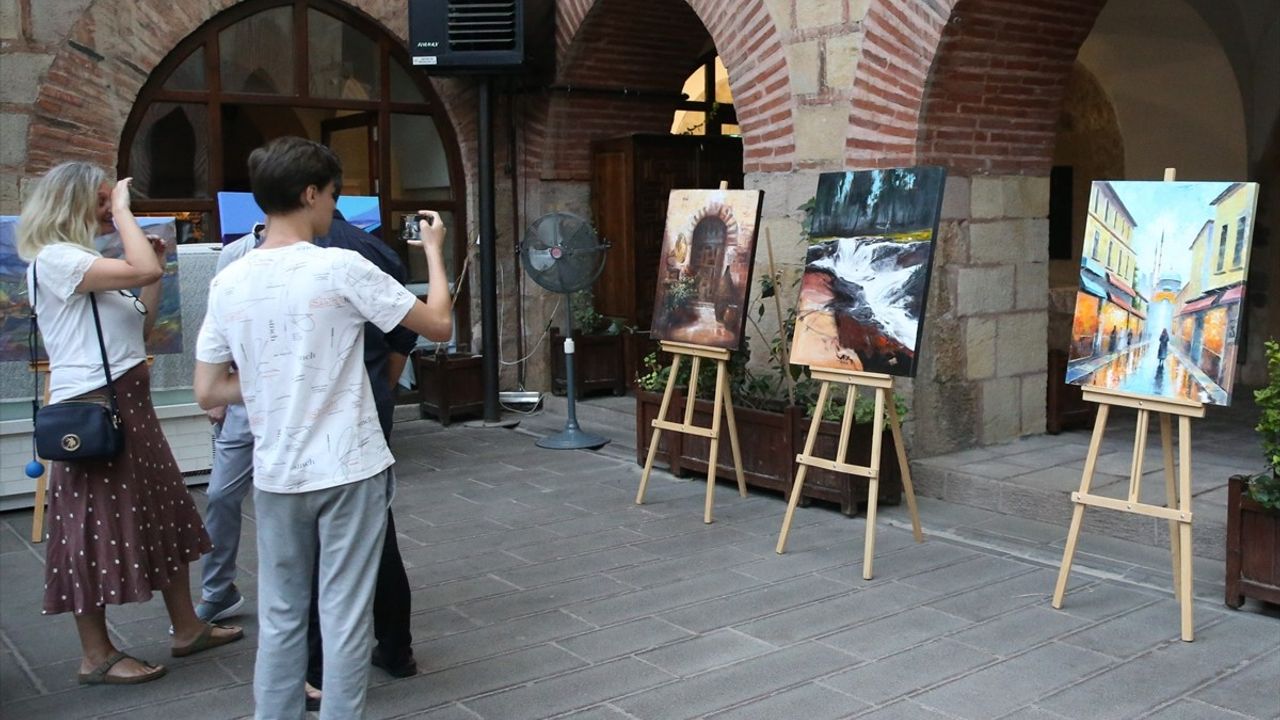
column 488, row 256
column 517, row 232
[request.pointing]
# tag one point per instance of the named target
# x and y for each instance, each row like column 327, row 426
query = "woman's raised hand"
column 120, row 195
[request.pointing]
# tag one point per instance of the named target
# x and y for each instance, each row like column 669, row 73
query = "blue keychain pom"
column 35, row 469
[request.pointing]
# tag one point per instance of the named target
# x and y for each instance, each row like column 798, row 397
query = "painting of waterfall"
column 704, row 271
column 1162, row 281
column 866, row 274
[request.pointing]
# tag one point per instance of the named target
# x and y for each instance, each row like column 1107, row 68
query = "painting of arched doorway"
column 314, row 68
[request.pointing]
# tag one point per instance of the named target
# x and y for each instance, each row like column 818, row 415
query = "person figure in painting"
column 123, row 528
column 724, row 291
column 291, row 316
column 1128, row 338
column 676, row 258
column 1164, row 345
column 1111, row 343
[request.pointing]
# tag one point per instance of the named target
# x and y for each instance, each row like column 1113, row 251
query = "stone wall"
column 819, row 85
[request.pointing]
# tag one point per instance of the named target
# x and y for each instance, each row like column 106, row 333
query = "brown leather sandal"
column 100, row 676
column 206, row 640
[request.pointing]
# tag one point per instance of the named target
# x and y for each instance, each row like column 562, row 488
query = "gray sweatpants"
column 229, row 482
column 347, row 522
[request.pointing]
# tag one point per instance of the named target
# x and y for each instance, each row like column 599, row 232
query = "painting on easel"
column 704, row 273
column 867, row 270
column 1162, row 288
column 166, row 335
column 15, row 313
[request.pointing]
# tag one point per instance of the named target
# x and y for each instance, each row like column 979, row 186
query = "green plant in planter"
column 1264, row 487
column 807, row 223
column 654, row 377
column 587, row 320
column 864, row 407
column 806, row 389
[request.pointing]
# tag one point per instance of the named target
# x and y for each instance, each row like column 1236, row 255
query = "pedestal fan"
column 560, row 252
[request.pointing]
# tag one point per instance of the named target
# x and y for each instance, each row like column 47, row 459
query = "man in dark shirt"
column 384, row 353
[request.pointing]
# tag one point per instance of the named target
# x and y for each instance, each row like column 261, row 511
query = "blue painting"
column 238, row 213
column 166, row 336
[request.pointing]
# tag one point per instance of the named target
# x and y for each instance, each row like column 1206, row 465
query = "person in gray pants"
column 291, row 316
column 229, row 482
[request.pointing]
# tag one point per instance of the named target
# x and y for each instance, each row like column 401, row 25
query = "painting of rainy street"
column 1162, row 288
column 704, row 272
column 866, row 275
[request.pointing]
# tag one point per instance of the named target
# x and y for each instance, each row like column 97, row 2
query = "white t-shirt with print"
column 292, row 319
column 66, row 323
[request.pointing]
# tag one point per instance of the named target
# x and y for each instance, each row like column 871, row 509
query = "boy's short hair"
column 281, row 170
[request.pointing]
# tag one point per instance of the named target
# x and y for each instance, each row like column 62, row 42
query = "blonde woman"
column 122, row 528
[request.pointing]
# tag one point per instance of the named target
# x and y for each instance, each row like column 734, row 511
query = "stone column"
column 985, row 355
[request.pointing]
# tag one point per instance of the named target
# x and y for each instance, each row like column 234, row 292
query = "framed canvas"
column 166, row 336
column 704, row 270
column 15, row 312
column 1162, row 288
column 867, row 270
column 238, row 212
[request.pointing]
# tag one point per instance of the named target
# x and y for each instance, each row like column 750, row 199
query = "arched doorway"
column 314, row 68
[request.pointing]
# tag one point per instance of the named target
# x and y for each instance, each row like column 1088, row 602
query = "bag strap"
column 36, row 395
column 102, row 346
column 106, row 365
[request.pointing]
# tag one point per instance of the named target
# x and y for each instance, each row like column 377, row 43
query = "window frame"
column 1237, row 261
column 1222, row 247
column 390, row 50
column 726, row 114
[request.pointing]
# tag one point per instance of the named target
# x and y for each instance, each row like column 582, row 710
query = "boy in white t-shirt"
column 291, row 316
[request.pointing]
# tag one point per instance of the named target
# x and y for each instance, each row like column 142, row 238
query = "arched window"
column 709, row 108
column 313, row 68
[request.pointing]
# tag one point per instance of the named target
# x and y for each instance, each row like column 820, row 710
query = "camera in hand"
column 409, row 229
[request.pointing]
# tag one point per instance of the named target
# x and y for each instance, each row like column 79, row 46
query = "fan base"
column 572, row 439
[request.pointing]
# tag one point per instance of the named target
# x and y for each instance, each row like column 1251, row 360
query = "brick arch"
column 997, row 84
column 970, row 84
column 744, row 34
column 900, row 41
column 93, row 82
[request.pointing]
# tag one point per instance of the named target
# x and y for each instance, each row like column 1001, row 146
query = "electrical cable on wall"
column 546, row 331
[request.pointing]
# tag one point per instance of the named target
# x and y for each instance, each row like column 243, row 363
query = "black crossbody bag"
column 75, row 430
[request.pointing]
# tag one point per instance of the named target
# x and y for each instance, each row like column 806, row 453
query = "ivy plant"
column 1264, row 487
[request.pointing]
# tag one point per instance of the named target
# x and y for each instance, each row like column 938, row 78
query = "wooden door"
column 615, row 293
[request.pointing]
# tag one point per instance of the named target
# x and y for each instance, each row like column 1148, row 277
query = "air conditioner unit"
column 490, row 36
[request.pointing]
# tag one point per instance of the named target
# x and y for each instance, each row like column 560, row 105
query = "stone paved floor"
column 1035, row 476
column 540, row 590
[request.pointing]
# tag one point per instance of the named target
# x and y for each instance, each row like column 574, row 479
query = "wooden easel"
column 42, row 482
column 1178, row 498
column 723, row 402
column 1178, row 509
column 883, row 386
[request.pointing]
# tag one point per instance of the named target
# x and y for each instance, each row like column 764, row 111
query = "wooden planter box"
column 1253, row 547
column 449, row 385
column 598, row 362
column 769, row 442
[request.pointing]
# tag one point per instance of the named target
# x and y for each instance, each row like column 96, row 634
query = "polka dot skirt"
column 119, row 529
